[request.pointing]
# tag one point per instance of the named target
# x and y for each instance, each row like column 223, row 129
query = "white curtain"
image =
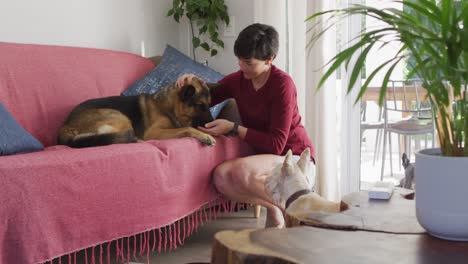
column 328, row 115
column 332, row 118
column 322, row 107
column 272, row 12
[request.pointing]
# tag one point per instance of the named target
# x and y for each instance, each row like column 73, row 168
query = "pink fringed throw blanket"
column 62, row 200
column 139, row 246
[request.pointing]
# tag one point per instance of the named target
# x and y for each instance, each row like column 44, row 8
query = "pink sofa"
column 60, row 200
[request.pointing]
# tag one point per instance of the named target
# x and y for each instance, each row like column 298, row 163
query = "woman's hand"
column 186, row 78
column 217, row 127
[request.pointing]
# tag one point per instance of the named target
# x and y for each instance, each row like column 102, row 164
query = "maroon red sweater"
column 270, row 113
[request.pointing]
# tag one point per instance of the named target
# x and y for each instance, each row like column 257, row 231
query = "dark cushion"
column 13, row 138
column 173, row 64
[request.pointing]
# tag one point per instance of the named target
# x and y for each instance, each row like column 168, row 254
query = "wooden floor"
column 197, row 248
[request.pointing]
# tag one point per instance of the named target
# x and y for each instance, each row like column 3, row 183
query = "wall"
column 245, row 12
column 225, row 61
column 113, row 24
column 127, row 25
column 110, row 24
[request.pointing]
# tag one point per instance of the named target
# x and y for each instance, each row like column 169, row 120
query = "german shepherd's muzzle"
column 168, row 113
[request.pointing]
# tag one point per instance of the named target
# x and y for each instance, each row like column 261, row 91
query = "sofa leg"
column 257, row 210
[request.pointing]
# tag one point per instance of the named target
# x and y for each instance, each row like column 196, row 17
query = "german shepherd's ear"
column 187, row 92
column 213, row 86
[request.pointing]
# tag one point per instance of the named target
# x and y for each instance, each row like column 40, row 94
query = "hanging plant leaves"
column 205, row 46
column 195, row 42
column 205, row 14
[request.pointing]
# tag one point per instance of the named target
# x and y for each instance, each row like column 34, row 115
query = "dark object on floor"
column 409, row 196
column 408, row 181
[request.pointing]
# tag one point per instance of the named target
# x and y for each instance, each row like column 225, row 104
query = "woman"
column 267, row 101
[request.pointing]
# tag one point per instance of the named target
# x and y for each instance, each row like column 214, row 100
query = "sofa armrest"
column 156, row 60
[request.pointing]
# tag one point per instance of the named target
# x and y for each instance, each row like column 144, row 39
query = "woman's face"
column 252, row 68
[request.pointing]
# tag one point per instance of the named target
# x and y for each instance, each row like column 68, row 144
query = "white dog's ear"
column 304, row 161
column 288, row 156
column 288, row 164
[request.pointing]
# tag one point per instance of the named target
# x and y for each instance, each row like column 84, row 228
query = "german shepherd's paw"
column 206, row 139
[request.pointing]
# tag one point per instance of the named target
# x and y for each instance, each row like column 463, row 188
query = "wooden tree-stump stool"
column 305, row 244
column 370, row 231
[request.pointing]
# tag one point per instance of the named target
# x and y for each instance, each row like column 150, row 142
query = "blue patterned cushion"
column 13, row 138
column 173, row 64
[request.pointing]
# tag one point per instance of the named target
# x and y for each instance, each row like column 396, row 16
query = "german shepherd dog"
column 169, row 113
column 290, row 190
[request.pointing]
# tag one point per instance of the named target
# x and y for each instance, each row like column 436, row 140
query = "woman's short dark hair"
column 258, row 41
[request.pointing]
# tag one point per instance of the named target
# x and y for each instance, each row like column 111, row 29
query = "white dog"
column 290, row 189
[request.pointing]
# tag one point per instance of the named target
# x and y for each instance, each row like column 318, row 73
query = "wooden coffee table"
column 369, row 232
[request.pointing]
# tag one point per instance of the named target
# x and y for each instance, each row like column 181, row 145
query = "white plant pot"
column 442, row 194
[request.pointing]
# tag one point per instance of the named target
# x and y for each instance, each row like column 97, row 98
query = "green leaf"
column 203, row 29
column 446, row 9
column 213, row 52
column 422, row 10
column 219, row 43
column 195, row 42
column 358, row 66
column 321, row 14
column 383, row 88
column 417, row 68
column 205, row 46
column 205, row 15
column 370, row 78
column 338, row 60
column 211, row 28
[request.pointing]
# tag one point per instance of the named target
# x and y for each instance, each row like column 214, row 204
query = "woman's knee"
column 228, row 175
column 221, row 176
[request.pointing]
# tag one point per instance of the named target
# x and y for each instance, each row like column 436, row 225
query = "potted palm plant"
column 434, row 34
column 205, row 14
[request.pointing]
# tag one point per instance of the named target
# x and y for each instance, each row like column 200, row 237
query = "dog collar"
column 296, row 195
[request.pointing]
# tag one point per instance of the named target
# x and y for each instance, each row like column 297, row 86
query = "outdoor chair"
column 407, row 112
column 374, row 124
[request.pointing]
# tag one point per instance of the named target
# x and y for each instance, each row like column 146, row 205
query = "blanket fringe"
column 169, row 237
